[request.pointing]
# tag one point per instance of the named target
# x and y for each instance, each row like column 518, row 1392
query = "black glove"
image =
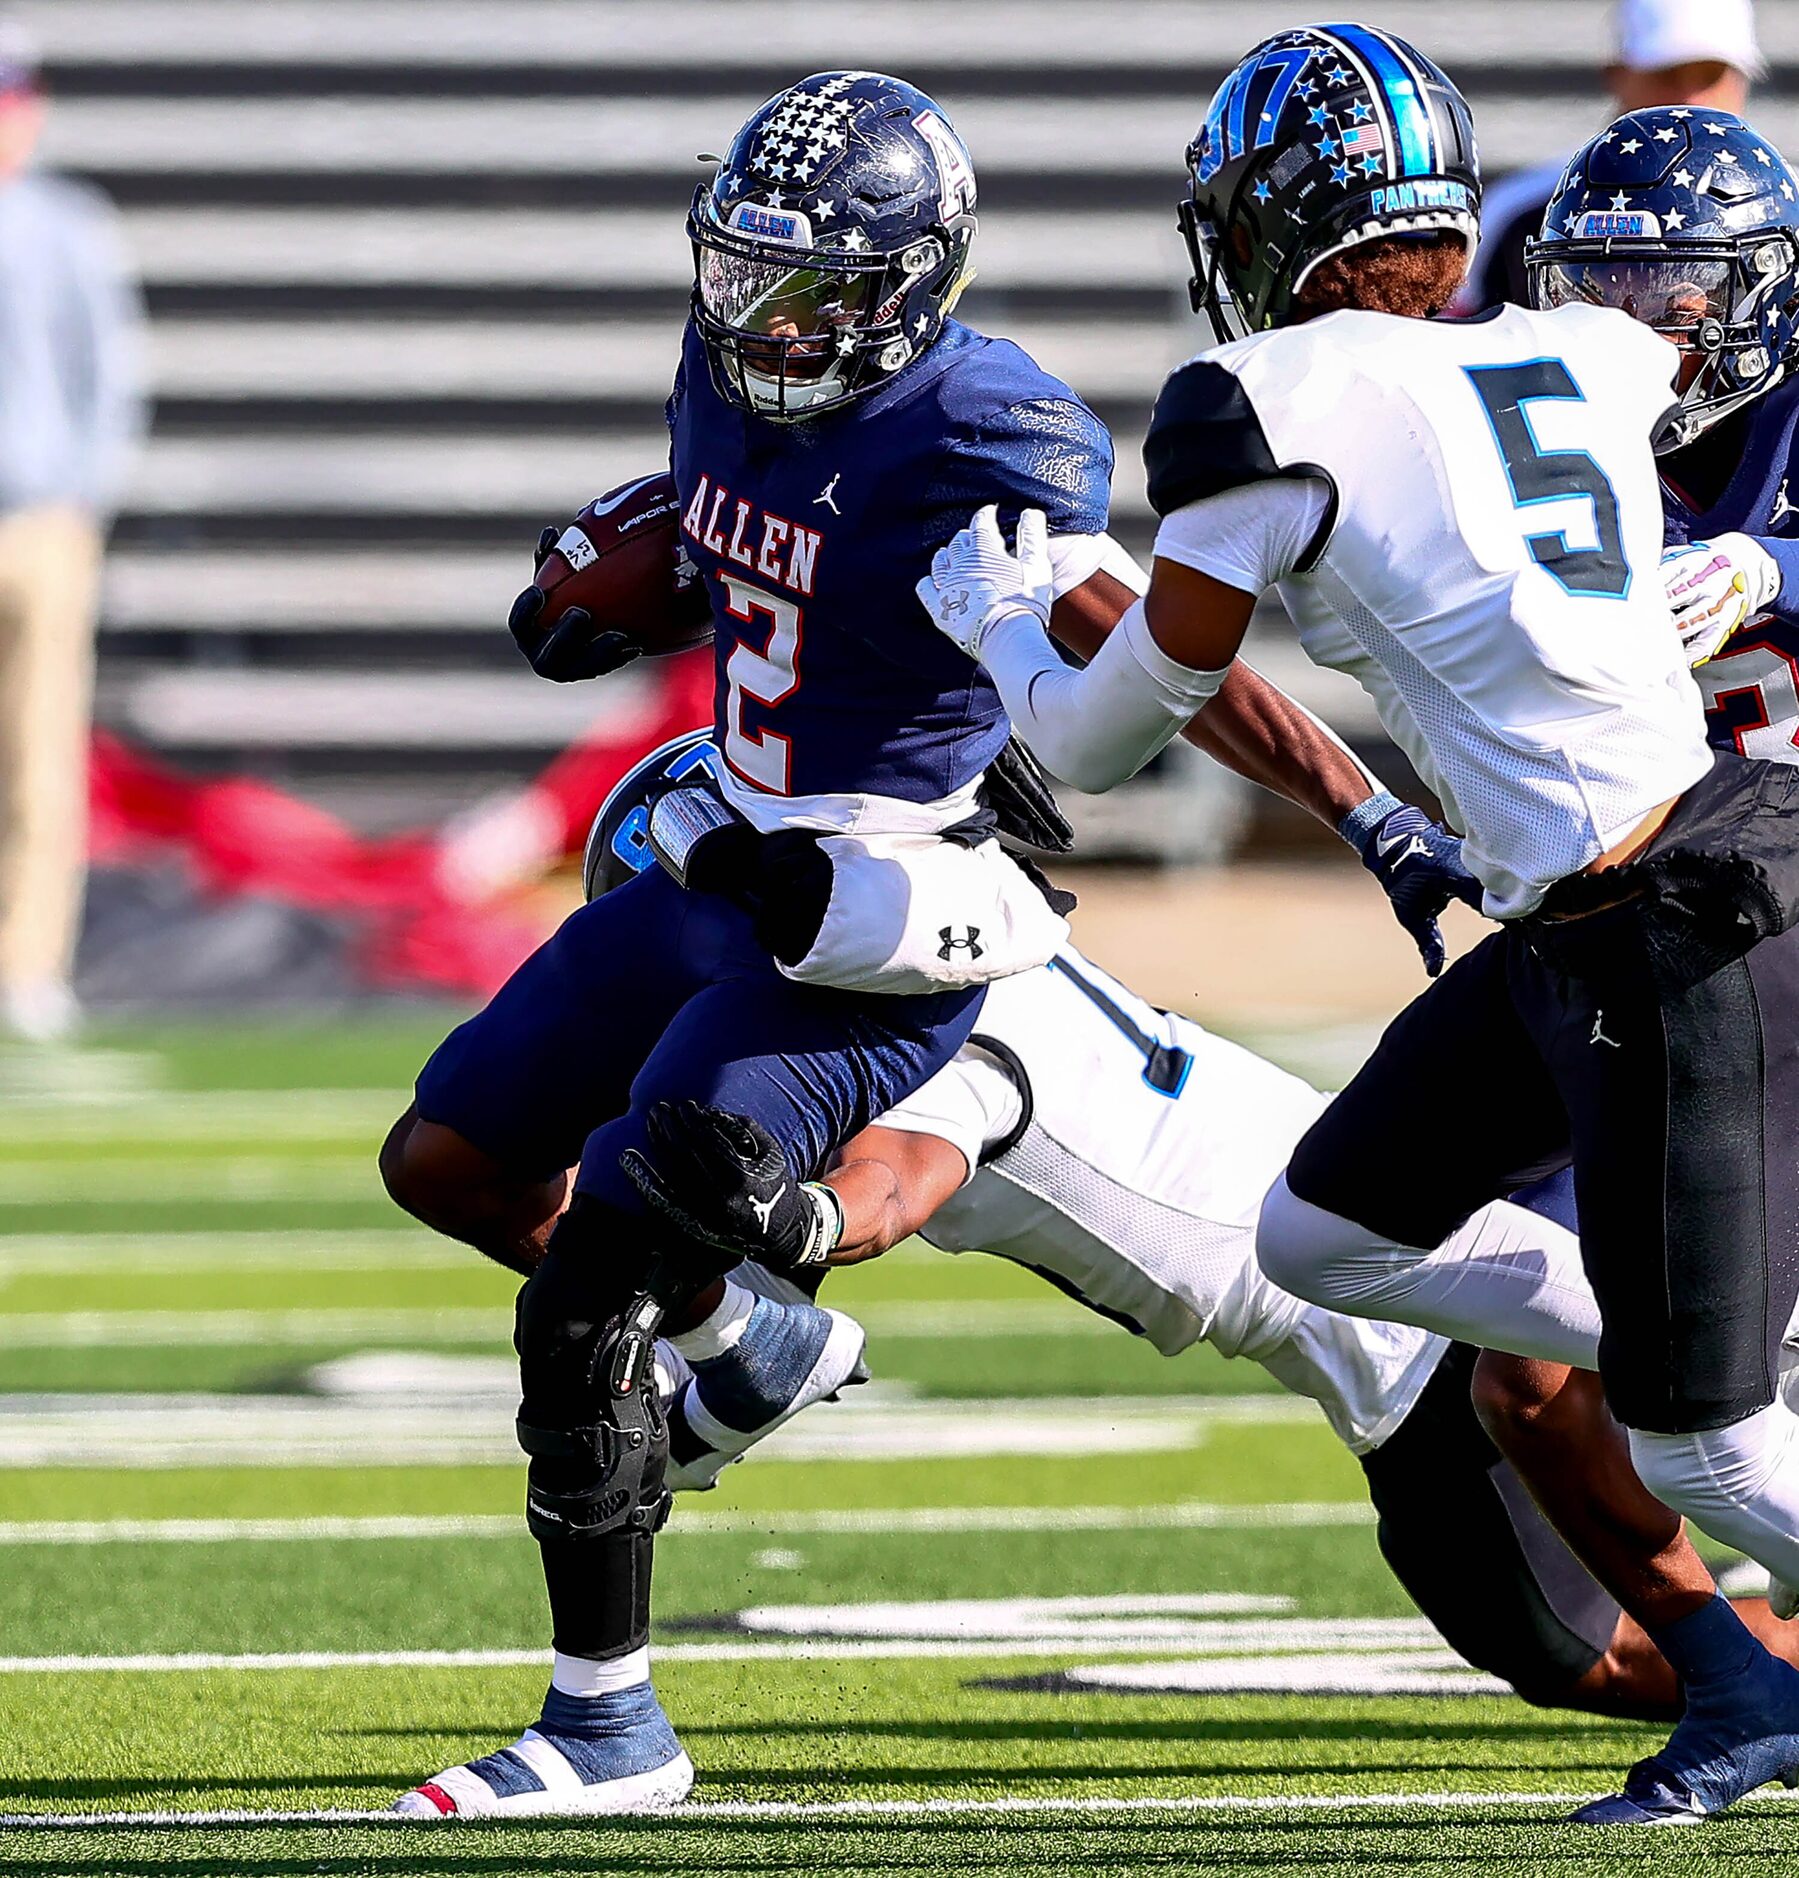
column 1024, row 802
column 723, row 1180
column 571, row 648
column 1418, row 863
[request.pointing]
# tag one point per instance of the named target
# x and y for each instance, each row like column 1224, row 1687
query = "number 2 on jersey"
column 764, row 758
column 1539, row 475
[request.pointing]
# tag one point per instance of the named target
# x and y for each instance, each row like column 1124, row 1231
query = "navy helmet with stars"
column 1688, row 220
column 831, row 244
column 1320, row 138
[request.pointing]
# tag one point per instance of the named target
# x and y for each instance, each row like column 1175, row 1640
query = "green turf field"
column 1034, row 1601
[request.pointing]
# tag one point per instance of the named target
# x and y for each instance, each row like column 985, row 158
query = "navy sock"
column 1710, row 1644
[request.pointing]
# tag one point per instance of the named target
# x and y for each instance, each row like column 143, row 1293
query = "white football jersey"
column 1488, row 567
column 1124, row 1152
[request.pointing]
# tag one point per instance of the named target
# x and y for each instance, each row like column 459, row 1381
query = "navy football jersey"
column 831, row 679
column 1751, row 687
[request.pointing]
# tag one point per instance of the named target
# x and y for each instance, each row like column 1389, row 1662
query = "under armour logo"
column 764, row 1209
column 1782, row 507
column 954, row 604
column 826, row 496
column 1599, row 1035
column 951, row 944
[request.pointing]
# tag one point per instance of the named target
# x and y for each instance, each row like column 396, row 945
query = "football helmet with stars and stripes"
column 1321, row 138
column 1688, row 220
column 831, row 244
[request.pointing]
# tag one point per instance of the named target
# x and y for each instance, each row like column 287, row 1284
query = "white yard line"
column 161, row 1431
column 1268, row 1637
column 1191, row 1517
column 978, row 1318
column 336, row 1250
column 470, row 1323
column 75, row 1181
column 706, row 1812
column 203, row 1114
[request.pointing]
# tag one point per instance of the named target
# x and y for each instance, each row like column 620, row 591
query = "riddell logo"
column 967, row 943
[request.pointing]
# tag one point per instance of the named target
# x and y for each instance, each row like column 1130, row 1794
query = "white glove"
column 974, row 582
column 1714, row 586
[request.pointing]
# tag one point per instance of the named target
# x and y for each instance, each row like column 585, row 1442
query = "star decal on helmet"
column 803, row 117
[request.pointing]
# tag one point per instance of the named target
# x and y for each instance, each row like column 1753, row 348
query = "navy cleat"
column 1737, row 1734
column 602, row 1754
column 791, row 1354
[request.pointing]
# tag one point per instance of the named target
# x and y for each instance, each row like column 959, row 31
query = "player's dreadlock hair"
column 1414, row 276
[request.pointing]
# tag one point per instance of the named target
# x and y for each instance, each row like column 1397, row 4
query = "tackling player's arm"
column 889, row 1182
column 722, row 1181
column 1251, row 727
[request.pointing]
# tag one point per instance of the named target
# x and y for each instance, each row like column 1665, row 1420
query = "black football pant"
column 1653, row 1041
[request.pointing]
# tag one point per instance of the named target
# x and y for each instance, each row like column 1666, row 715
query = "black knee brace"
column 591, row 1420
column 606, row 1474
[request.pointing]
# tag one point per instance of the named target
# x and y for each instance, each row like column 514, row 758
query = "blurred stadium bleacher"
column 416, row 272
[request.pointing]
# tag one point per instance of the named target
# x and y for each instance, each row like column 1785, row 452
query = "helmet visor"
column 800, row 309
column 1672, row 295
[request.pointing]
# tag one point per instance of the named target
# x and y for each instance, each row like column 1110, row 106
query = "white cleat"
column 790, row 1356
column 586, row 1756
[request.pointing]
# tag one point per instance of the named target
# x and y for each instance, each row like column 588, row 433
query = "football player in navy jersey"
column 1705, row 248
column 814, row 949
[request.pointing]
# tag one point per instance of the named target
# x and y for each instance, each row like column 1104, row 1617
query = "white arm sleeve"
column 970, row 1102
column 1248, row 537
column 1093, row 728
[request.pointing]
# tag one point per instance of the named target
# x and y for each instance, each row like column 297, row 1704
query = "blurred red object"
column 415, row 923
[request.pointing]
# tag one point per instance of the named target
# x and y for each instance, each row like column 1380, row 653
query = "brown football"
column 621, row 558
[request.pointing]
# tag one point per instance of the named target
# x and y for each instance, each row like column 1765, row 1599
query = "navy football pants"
column 650, row 994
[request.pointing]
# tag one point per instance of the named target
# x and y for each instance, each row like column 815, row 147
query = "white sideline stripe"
column 1196, row 1517
column 704, row 1812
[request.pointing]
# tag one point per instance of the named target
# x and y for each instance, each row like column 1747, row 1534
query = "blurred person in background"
column 71, row 410
column 1700, row 53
